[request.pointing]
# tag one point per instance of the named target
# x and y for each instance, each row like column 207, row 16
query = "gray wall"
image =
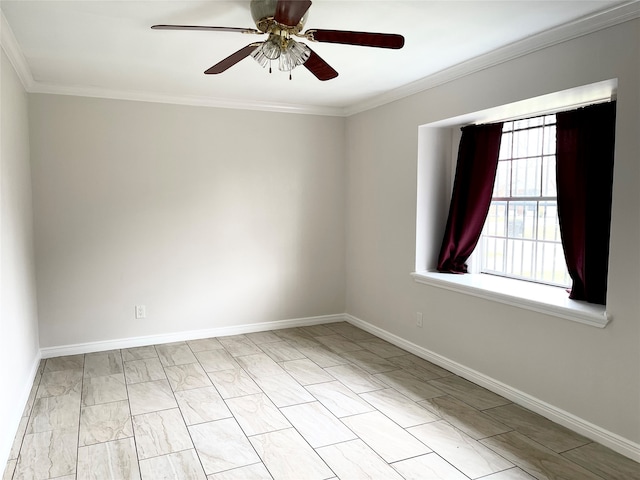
column 19, row 350
column 209, row 217
column 591, row 373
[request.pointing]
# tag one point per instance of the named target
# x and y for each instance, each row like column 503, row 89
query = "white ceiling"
column 106, row 48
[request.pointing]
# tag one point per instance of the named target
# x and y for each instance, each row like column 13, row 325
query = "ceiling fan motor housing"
column 263, row 13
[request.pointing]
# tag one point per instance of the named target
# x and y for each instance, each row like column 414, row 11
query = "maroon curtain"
column 471, row 197
column 585, row 141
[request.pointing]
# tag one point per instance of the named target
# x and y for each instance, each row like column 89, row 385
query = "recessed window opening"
column 521, row 236
column 503, row 162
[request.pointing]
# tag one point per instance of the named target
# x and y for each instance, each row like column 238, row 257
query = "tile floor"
column 320, row 402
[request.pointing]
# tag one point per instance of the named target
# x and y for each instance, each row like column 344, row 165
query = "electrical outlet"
column 419, row 319
column 141, row 311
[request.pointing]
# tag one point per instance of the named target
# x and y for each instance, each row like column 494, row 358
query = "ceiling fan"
column 281, row 20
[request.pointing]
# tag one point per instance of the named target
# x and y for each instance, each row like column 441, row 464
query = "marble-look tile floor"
column 321, row 402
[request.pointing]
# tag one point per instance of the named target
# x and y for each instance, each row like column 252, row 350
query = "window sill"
column 539, row 298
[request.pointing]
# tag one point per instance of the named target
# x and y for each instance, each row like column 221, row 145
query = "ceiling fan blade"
column 321, row 69
column 290, row 12
column 204, row 27
column 365, row 39
column 232, row 59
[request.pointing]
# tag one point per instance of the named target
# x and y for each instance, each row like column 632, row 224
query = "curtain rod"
column 551, row 111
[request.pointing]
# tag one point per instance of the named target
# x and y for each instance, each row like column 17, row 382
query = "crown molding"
column 563, row 33
column 14, row 53
column 191, row 100
column 583, row 26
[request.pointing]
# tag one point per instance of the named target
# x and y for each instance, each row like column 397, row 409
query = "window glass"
column 521, row 236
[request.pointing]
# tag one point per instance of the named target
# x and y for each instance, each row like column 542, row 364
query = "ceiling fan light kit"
column 281, row 20
column 285, row 49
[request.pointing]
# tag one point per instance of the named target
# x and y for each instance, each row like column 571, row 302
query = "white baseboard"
column 598, row 434
column 14, row 417
column 90, row 347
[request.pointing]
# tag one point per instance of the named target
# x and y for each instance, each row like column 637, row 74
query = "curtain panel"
column 585, row 140
column 471, row 197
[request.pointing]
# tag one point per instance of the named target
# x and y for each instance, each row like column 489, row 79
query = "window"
column 439, row 141
column 521, row 235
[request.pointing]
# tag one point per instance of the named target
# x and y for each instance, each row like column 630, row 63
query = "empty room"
column 339, row 239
